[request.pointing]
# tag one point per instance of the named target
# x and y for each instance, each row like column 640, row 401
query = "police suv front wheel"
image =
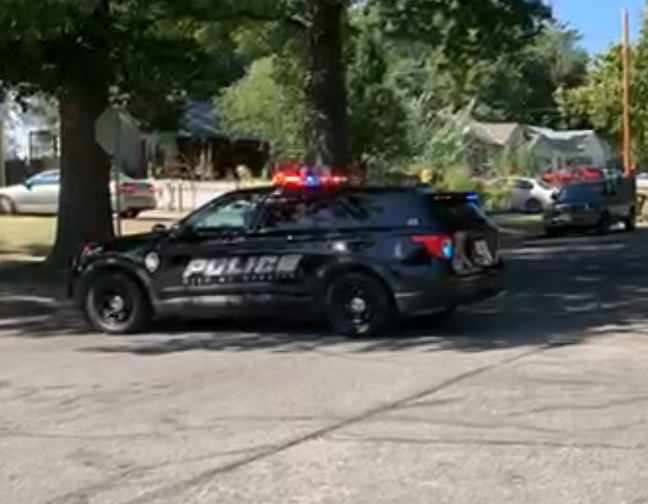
column 116, row 304
column 358, row 305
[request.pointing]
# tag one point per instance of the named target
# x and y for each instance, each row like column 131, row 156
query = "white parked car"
column 642, row 180
column 526, row 194
column 40, row 195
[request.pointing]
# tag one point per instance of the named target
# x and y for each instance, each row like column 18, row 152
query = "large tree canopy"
column 89, row 52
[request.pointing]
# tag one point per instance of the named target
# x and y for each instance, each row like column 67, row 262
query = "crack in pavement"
column 518, row 426
column 175, row 488
column 581, row 407
column 84, row 495
column 488, row 442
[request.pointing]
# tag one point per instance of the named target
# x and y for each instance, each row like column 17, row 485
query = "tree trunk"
column 85, row 212
column 326, row 87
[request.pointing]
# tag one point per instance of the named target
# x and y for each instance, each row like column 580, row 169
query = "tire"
column 604, row 224
column 114, row 303
column 551, row 232
column 359, row 305
column 7, row 206
column 630, row 222
column 533, row 206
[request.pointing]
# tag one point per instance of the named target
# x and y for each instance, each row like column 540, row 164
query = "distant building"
column 553, row 150
column 202, row 150
column 486, row 141
column 563, row 149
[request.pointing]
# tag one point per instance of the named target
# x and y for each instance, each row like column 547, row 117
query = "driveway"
column 538, row 396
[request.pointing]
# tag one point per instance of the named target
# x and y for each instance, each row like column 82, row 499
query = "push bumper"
column 452, row 291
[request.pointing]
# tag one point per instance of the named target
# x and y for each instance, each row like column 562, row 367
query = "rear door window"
column 290, row 213
column 339, row 211
column 383, row 210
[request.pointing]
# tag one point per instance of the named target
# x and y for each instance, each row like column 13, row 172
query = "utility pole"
column 628, row 163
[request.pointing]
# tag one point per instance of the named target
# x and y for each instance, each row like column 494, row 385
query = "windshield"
column 544, row 185
column 580, row 192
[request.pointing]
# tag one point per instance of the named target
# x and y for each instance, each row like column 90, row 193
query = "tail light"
column 127, row 188
column 439, row 246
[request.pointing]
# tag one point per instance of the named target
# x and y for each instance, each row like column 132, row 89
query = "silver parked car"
column 40, row 195
column 526, row 194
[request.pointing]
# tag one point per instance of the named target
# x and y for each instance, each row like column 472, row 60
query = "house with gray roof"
column 553, row 149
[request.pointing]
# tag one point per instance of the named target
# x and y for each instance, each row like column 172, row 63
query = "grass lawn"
column 30, row 238
column 520, row 223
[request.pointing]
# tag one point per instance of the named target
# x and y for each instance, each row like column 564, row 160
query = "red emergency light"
column 305, row 177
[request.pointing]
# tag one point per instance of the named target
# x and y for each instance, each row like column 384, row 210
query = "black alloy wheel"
column 116, row 304
column 359, row 305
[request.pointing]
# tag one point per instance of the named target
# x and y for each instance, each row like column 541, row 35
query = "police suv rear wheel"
column 358, row 305
column 115, row 304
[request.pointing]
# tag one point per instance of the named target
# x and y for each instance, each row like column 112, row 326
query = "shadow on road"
column 560, row 292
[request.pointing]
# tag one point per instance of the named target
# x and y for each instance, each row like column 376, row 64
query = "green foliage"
column 516, row 86
column 640, row 95
column 378, row 118
column 445, row 146
column 260, row 105
column 519, row 161
column 598, row 102
column 462, row 28
column 136, row 50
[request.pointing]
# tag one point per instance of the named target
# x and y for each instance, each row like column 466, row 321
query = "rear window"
column 581, row 192
column 459, row 215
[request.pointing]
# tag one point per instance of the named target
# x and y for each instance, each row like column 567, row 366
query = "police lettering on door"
column 242, row 269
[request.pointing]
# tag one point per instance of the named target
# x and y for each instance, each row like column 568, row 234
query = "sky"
column 599, row 21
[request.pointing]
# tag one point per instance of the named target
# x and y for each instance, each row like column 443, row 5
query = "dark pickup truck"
column 596, row 205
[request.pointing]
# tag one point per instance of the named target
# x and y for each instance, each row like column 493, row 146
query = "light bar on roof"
column 306, row 178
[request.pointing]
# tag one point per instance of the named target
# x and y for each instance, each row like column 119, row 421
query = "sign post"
column 117, row 133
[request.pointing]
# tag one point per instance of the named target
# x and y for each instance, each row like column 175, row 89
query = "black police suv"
column 596, row 205
column 358, row 256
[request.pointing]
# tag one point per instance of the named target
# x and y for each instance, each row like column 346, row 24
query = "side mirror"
column 27, row 184
column 159, row 229
column 554, row 196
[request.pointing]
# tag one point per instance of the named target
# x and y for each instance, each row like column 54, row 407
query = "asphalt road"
column 537, row 397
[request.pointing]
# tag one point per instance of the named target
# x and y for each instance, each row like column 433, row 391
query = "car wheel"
column 116, row 304
column 533, row 206
column 359, row 305
column 604, row 224
column 631, row 221
column 7, row 206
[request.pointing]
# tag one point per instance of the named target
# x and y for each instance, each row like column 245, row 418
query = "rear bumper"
column 452, row 291
column 138, row 203
column 566, row 221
